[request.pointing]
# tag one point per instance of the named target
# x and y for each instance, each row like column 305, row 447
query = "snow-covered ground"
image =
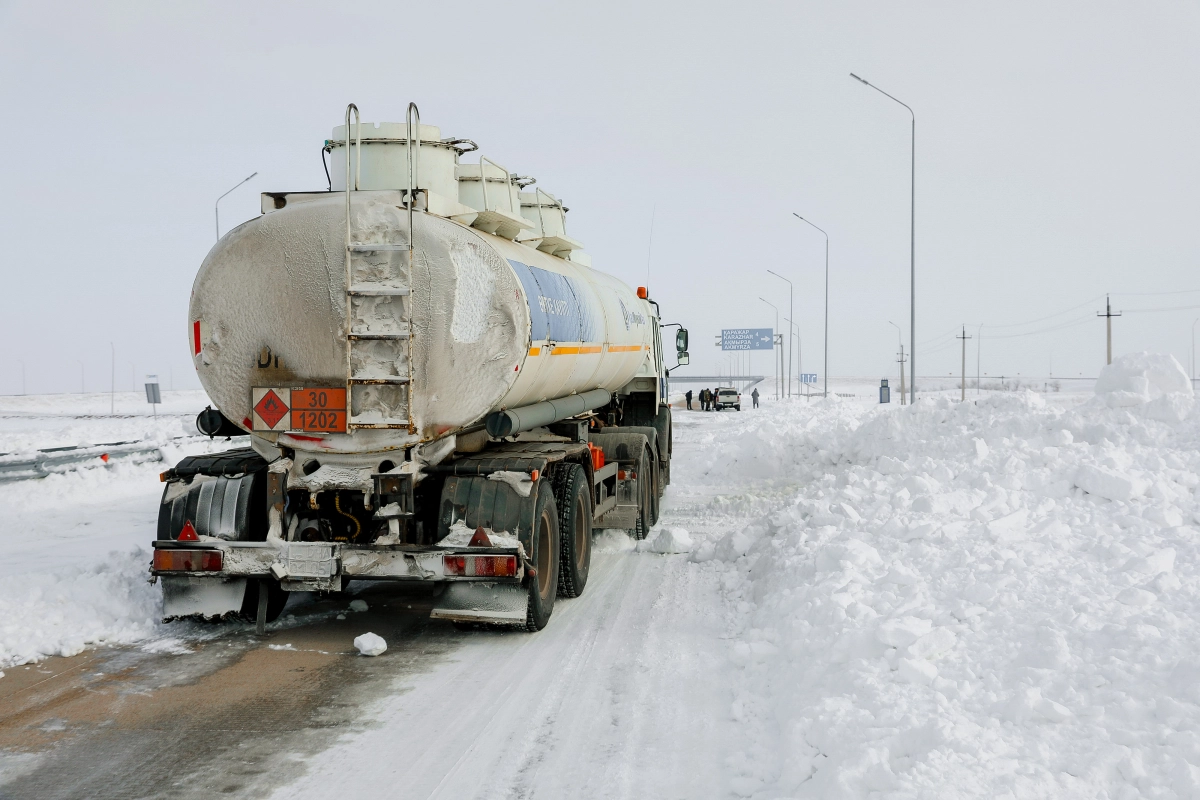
column 997, row 598
column 76, row 545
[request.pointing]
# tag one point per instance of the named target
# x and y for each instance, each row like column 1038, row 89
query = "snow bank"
column 996, row 598
column 61, row 613
column 1138, row 379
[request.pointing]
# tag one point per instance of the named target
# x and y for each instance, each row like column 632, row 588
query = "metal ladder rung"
column 375, row 336
column 381, row 291
column 372, row 248
column 390, row 380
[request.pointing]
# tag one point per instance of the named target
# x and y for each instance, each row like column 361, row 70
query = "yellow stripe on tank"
column 573, row 350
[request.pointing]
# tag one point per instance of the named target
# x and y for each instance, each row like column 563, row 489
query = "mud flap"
column 499, row 603
column 210, row 598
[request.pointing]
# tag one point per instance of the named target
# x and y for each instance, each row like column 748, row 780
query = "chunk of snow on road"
column 370, row 644
column 358, row 605
column 668, row 540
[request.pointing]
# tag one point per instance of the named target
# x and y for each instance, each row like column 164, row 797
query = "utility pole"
column 112, row 382
column 964, row 338
column 1108, row 315
column 901, row 360
column 978, row 341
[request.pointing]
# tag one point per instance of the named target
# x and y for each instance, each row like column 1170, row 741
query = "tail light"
column 480, row 566
column 188, row 560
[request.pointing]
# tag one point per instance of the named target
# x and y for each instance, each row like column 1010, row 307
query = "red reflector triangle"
column 480, row 539
column 188, row 534
column 104, row 457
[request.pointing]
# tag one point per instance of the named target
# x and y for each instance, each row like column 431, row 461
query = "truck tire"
column 656, row 490
column 662, row 423
column 645, row 479
column 545, row 546
column 574, row 500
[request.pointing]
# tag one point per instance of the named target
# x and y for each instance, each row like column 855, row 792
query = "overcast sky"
column 1056, row 160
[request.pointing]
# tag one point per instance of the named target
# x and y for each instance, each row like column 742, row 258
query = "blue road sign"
column 808, row 377
column 747, row 339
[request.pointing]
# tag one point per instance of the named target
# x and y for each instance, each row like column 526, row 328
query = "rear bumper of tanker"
column 208, row 579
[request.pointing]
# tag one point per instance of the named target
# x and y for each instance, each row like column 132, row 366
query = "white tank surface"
column 414, row 346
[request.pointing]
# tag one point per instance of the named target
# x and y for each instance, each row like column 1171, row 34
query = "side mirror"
column 681, row 341
column 683, row 358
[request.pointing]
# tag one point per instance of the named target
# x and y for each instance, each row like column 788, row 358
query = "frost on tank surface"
column 271, row 301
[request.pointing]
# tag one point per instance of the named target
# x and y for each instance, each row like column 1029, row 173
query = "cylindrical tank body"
column 494, row 324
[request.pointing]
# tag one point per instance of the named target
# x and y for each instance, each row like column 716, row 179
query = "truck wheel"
column 544, row 585
column 276, row 599
column 655, row 489
column 645, row 517
column 575, row 527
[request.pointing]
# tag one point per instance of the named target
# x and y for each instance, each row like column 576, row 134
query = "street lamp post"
column 912, row 245
column 791, row 347
column 779, row 379
column 216, row 209
column 793, row 328
column 826, row 235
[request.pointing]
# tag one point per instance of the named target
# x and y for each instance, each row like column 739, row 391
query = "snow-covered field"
column 998, row 598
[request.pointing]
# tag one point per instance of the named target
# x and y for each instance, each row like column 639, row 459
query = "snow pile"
column 1147, row 379
column 667, row 540
column 63, row 612
column 992, row 599
column 370, row 644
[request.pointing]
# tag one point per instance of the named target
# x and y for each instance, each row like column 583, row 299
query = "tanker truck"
column 437, row 386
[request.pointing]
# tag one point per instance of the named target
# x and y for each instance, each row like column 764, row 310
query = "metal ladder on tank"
column 358, row 290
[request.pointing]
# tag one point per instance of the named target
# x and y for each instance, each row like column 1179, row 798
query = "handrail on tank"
column 483, row 177
column 555, row 203
column 349, row 240
column 357, row 173
column 414, row 155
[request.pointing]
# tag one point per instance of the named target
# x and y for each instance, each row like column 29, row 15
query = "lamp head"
column 860, row 80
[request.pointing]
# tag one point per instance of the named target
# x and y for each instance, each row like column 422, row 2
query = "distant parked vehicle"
column 727, row 398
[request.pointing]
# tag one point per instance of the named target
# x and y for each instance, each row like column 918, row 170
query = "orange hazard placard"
column 319, row 410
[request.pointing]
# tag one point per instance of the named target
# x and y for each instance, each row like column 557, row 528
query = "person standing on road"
column 688, row 398
column 754, row 397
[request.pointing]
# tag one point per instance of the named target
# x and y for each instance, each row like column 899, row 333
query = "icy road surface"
column 992, row 599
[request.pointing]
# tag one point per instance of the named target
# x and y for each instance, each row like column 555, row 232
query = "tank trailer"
column 438, row 388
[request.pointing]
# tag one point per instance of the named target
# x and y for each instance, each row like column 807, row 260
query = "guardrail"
column 55, row 460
